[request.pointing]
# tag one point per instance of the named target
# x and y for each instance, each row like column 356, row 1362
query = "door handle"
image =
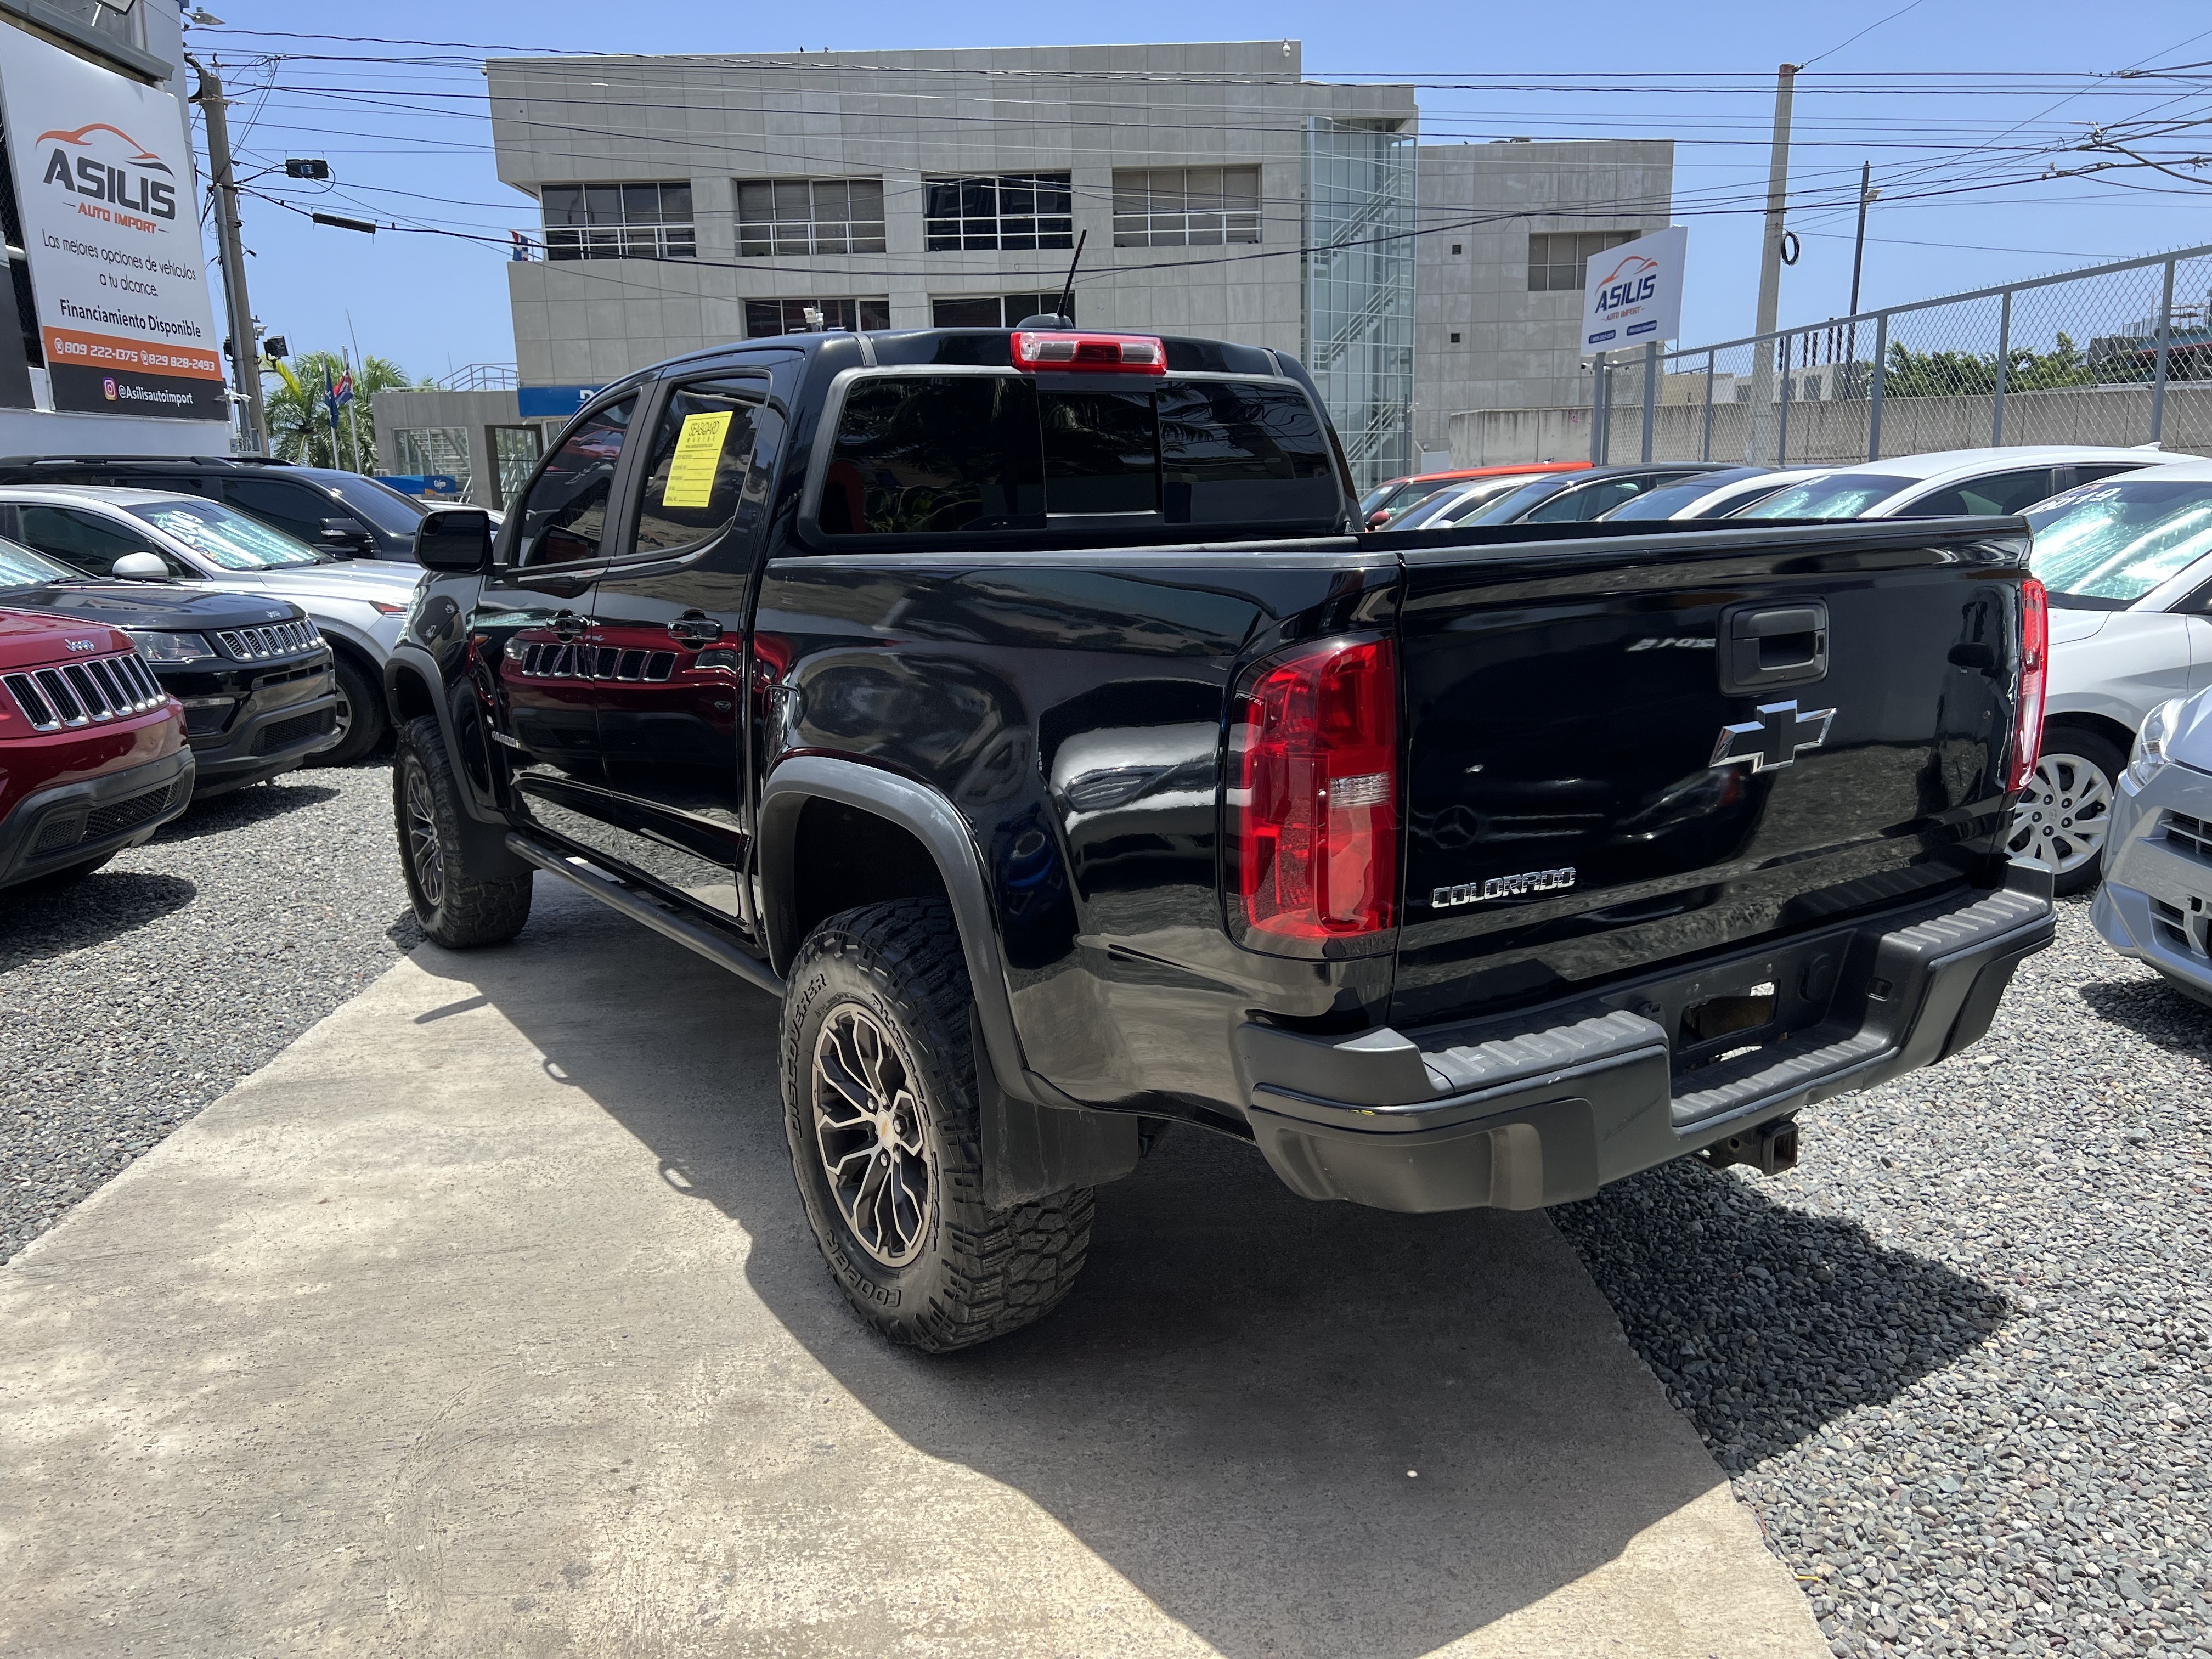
column 694, row 627
column 1764, row 646
column 568, row 625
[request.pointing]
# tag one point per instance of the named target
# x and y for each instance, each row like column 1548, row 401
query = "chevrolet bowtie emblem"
column 1774, row 738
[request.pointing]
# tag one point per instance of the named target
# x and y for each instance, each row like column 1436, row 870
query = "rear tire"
column 880, row 1110
column 457, row 907
column 2066, row 809
column 360, row 716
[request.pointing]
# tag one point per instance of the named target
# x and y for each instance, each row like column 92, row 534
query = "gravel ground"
column 138, row 996
column 1957, row 1361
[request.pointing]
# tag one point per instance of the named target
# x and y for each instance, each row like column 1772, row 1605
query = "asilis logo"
column 1634, row 280
column 127, row 180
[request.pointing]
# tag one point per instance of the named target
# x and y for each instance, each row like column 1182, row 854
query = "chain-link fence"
column 2119, row 354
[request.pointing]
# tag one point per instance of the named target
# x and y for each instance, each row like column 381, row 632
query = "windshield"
column 20, row 568
column 1668, row 499
column 382, row 506
column 1832, row 495
column 227, row 540
column 2116, row 542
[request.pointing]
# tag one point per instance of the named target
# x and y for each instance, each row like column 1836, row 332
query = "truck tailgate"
column 1623, row 751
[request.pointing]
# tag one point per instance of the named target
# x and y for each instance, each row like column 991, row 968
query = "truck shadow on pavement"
column 2151, row 1008
column 253, row 804
column 1296, row 1428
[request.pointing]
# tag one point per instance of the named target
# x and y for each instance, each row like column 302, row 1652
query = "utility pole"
column 245, row 348
column 1770, row 271
column 1867, row 194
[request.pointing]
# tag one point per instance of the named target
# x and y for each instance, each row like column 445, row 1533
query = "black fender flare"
column 933, row 821
column 483, row 828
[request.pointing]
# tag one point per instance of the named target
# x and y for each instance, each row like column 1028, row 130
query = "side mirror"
column 140, row 568
column 457, row 539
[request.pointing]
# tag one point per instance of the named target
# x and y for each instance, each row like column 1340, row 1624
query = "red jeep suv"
column 93, row 757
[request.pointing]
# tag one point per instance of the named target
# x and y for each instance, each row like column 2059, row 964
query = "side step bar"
column 640, row 908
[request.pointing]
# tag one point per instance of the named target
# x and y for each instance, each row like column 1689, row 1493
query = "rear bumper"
column 1519, row 1116
column 74, row 822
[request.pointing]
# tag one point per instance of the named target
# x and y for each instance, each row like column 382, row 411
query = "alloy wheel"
column 867, row 1127
column 2063, row 814
column 342, row 716
column 423, row 851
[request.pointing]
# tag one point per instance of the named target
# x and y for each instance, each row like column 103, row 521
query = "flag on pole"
column 335, row 397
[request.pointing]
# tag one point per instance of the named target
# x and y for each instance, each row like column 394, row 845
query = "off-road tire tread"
column 475, row 911
column 1004, row 1269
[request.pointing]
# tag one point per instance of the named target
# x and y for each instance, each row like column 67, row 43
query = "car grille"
column 2188, row 834
column 540, row 660
column 277, row 639
column 69, row 828
column 282, row 734
column 86, row 693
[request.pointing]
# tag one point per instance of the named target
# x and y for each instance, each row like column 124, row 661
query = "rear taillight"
column 1313, row 794
column 1110, row 354
column 2034, row 658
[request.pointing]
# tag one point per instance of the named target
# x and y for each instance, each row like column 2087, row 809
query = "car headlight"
column 171, row 647
column 2150, row 755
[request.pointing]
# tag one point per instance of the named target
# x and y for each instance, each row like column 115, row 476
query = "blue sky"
column 2004, row 95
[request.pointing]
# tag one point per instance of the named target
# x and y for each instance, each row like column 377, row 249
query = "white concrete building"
column 677, row 202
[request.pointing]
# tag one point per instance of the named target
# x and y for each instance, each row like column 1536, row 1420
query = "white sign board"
column 104, row 185
column 1635, row 292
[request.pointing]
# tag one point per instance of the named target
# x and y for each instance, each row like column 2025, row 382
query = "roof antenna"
column 1067, row 290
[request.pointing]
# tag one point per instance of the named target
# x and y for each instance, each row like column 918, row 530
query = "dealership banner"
column 1635, row 292
column 104, row 185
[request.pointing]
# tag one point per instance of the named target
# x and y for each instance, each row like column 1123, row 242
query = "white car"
column 2127, row 563
column 1950, row 482
column 360, row 605
column 2152, row 905
column 1710, row 494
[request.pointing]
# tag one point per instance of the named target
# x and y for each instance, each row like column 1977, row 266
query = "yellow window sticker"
column 698, row 455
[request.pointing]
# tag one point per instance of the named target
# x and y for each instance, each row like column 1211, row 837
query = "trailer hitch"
column 1770, row 1148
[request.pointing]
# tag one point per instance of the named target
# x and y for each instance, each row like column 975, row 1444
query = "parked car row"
column 158, row 644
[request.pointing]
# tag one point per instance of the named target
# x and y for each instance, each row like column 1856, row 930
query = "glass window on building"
column 515, row 450
column 766, row 318
column 1017, row 211
column 1359, row 289
column 619, row 222
column 781, row 216
column 1186, row 207
column 424, row 451
column 993, row 310
column 1558, row 260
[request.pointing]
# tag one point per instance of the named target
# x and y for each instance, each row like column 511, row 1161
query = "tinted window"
column 2006, row 492
column 385, row 508
column 1832, row 495
column 297, row 509
column 1239, row 454
column 1102, row 453
column 565, row 514
column 1571, row 505
column 87, row 543
column 920, row 453
column 702, row 455
column 1668, row 499
column 1457, row 505
column 2117, row 540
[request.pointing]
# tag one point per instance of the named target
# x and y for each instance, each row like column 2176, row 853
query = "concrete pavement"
column 484, row 1321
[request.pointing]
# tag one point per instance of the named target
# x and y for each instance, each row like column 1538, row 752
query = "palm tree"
column 298, row 424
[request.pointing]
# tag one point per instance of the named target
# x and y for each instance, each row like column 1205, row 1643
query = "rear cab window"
column 918, row 453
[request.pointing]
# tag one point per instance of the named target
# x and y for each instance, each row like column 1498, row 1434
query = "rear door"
column 1624, row 751
column 670, row 622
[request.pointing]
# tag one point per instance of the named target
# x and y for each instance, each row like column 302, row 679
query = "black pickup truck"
column 1022, row 709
